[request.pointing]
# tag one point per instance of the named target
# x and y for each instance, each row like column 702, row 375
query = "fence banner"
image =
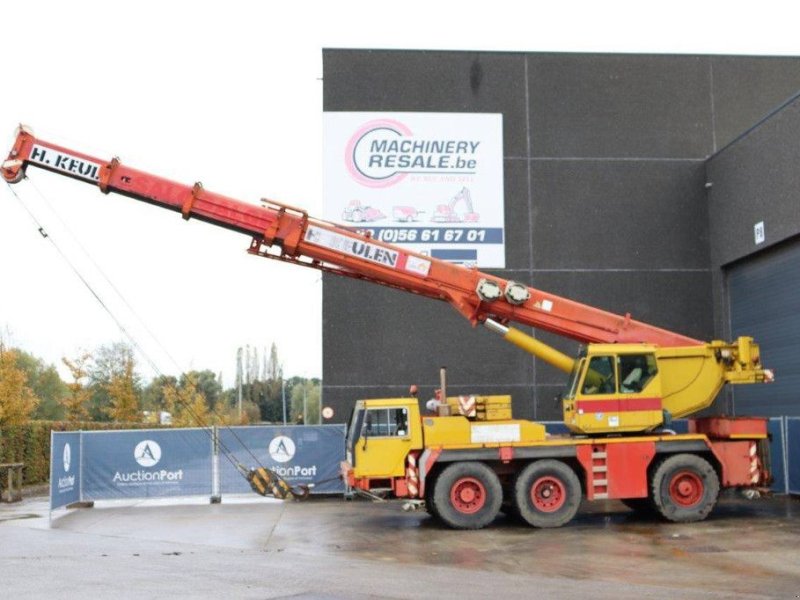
column 65, row 468
column 299, row 454
column 146, row 463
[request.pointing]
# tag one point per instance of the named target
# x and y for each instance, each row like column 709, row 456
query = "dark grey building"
column 632, row 183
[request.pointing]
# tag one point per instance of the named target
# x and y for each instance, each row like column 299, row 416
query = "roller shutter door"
column 764, row 296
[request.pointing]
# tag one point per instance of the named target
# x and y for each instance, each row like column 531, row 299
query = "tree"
column 153, row 394
column 186, row 404
column 109, row 363
column 305, row 392
column 46, row 385
column 206, row 383
column 17, row 400
column 271, row 400
column 75, row 403
column 123, row 399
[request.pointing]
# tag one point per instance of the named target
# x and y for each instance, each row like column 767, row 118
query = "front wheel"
column 467, row 495
column 547, row 493
column 685, row 488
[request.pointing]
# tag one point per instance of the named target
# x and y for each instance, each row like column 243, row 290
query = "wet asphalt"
column 331, row 549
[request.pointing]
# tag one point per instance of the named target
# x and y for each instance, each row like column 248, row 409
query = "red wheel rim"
column 686, row 488
column 548, row 494
column 468, row 495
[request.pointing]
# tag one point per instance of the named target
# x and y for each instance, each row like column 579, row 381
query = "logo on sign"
column 383, row 152
column 282, row 449
column 147, row 453
column 67, row 482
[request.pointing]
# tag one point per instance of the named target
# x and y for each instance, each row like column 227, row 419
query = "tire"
column 685, row 488
column 467, row 495
column 547, row 493
column 430, row 505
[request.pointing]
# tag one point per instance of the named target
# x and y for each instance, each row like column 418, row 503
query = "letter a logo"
column 281, row 449
column 147, row 453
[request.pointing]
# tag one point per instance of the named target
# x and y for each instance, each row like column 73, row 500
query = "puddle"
column 20, row 516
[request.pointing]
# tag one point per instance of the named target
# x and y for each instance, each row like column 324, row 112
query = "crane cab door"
column 616, row 393
column 384, row 441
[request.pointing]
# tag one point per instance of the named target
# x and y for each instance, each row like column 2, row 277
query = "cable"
column 103, row 275
column 129, row 336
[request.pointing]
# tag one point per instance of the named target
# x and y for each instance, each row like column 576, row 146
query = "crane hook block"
column 266, row 483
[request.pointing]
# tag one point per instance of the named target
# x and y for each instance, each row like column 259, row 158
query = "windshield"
column 572, row 383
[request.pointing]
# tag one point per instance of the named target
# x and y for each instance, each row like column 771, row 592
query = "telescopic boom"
column 285, row 233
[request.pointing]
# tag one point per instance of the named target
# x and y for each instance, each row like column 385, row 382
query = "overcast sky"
column 231, row 94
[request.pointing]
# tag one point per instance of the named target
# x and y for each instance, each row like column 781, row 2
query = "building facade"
column 633, row 183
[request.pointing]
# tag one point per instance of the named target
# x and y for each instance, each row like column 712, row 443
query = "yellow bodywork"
column 378, row 457
column 385, row 456
column 681, row 381
column 687, row 380
column 458, row 432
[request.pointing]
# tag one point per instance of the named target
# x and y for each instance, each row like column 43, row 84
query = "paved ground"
column 336, row 549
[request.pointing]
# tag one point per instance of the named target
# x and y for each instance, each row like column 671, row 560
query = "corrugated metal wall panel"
column 764, row 295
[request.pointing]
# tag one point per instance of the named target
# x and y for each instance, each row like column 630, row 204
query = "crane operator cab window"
column 386, row 422
column 600, row 376
column 635, row 372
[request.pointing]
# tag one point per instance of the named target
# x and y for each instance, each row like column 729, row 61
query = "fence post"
column 216, row 496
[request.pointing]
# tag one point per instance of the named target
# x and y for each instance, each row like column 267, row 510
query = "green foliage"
column 46, row 385
column 153, row 394
column 305, row 401
column 30, row 444
column 206, row 383
column 111, row 364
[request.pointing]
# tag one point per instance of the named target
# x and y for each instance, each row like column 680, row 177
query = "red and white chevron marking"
column 412, row 476
column 468, row 405
column 754, row 474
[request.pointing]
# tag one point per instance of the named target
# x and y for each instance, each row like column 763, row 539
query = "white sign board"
column 429, row 182
column 495, row 434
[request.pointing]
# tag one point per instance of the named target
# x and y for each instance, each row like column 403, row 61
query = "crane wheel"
column 467, row 495
column 684, row 488
column 430, row 504
column 547, row 493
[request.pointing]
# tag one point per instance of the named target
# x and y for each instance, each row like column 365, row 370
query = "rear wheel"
column 467, row 495
column 547, row 493
column 685, row 488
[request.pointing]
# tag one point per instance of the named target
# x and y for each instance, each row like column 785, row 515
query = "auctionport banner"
column 146, row 463
column 429, row 182
column 298, row 454
column 65, row 468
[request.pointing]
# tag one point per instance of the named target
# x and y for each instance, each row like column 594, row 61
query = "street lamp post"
column 283, row 398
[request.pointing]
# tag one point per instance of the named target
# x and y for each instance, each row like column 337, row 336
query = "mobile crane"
column 469, row 458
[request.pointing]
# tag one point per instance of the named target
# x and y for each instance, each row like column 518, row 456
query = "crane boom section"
column 286, row 233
